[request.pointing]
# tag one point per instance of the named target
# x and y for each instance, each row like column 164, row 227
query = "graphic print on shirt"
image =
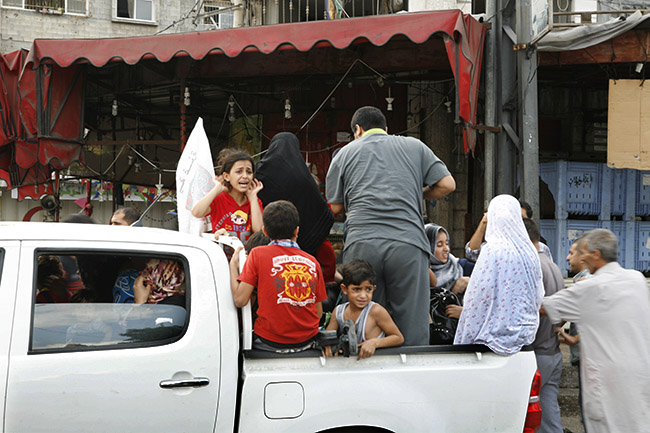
column 236, row 223
column 295, row 280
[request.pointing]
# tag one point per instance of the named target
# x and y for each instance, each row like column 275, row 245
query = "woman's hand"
column 453, row 311
column 460, row 286
column 141, row 290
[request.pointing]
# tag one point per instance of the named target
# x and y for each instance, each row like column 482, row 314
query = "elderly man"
column 381, row 180
column 612, row 311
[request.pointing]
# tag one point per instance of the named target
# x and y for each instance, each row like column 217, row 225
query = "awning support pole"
column 183, row 116
column 527, row 79
column 491, row 101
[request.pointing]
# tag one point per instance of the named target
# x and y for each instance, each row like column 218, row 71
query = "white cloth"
column 472, row 255
column 502, row 300
column 194, row 179
column 612, row 311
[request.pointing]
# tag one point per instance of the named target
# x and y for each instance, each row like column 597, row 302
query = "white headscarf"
column 502, row 300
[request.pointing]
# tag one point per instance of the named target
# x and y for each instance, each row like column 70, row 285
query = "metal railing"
column 580, row 18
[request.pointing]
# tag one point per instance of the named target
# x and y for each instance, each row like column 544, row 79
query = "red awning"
column 58, row 60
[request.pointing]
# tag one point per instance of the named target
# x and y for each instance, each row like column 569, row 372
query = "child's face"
column 359, row 295
column 442, row 247
column 240, row 176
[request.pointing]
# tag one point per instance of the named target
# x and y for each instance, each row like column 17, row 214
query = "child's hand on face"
column 367, row 348
column 254, row 187
column 219, row 183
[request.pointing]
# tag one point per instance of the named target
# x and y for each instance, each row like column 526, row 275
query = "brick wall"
column 18, row 28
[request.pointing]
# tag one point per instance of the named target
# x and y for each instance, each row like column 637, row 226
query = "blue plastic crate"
column 560, row 234
column 584, row 188
column 642, row 180
column 625, row 231
column 619, row 178
column 576, row 187
column 642, row 246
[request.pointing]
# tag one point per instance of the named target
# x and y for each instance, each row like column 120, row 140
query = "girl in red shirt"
column 232, row 203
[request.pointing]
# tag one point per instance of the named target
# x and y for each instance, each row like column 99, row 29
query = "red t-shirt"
column 289, row 284
column 225, row 213
column 327, row 260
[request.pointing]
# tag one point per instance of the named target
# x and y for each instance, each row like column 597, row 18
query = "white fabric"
column 577, row 38
column 194, row 178
column 505, row 291
column 612, row 311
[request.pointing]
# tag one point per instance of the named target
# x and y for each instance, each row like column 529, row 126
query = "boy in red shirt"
column 289, row 284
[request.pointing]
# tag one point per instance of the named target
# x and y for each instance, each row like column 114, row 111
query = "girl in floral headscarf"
column 502, row 300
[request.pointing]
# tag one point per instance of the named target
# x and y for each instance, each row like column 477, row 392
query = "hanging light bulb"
column 231, row 105
column 159, row 185
column 287, row 109
column 448, row 105
column 186, row 97
column 130, row 159
column 389, row 100
column 114, row 108
column 137, row 166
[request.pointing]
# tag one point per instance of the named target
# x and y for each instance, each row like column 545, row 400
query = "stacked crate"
column 581, row 188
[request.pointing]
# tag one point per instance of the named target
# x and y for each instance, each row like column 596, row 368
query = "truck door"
column 8, row 275
column 91, row 364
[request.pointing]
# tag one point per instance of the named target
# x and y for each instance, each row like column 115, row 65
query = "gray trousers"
column 550, row 367
column 402, row 283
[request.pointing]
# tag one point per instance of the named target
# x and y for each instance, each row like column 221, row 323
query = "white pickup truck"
column 102, row 366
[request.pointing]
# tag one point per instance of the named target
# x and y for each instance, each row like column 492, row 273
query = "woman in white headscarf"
column 502, row 300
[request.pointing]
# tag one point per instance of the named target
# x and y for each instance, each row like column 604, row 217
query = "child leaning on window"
column 375, row 328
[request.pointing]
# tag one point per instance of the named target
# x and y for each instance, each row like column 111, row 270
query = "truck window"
column 86, row 301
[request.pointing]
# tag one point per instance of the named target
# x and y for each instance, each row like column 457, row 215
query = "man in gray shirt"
column 547, row 344
column 380, row 180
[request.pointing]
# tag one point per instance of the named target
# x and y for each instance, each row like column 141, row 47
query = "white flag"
column 194, row 178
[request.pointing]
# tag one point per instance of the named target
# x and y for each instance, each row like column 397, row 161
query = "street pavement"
column 568, row 398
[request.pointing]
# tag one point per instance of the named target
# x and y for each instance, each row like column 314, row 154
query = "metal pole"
column 238, row 14
column 527, row 79
column 507, row 67
column 491, row 101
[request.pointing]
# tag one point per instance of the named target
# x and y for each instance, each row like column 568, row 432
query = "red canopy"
column 49, row 115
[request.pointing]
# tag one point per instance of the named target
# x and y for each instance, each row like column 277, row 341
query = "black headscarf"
column 285, row 176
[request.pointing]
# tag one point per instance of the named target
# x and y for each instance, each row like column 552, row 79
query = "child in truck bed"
column 289, row 284
column 375, row 328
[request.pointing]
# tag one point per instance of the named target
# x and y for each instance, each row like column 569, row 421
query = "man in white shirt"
column 612, row 311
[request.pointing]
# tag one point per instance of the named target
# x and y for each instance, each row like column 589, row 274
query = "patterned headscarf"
column 502, row 300
column 165, row 277
column 446, row 273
